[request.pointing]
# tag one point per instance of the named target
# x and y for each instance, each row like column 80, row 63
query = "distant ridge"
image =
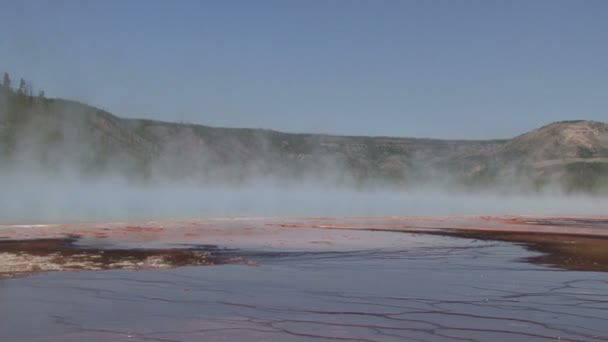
column 58, row 135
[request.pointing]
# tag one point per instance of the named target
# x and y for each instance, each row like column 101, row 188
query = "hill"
column 57, row 136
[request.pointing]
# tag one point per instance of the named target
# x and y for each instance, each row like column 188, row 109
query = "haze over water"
column 117, row 227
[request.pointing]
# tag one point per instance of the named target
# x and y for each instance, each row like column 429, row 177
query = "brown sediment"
column 567, row 251
column 22, row 257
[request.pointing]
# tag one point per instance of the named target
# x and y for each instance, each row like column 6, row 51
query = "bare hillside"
column 562, row 142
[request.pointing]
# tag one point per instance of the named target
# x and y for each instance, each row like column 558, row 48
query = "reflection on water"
column 446, row 289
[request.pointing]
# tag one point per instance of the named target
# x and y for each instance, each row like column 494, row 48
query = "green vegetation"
column 586, row 178
column 585, row 152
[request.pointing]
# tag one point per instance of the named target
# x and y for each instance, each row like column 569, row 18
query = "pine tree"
column 22, row 90
column 29, row 89
column 6, row 82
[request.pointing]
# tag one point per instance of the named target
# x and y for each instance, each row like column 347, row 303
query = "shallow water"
column 430, row 288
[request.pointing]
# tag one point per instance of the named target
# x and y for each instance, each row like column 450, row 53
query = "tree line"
column 25, row 88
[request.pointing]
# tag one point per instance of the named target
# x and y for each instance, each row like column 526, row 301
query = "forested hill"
column 56, row 136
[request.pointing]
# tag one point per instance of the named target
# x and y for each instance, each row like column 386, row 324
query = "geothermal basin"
column 406, row 278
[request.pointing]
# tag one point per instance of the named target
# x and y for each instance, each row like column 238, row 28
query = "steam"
column 63, row 161
column 35, row 198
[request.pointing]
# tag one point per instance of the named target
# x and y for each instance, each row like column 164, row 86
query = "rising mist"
column 63, row 160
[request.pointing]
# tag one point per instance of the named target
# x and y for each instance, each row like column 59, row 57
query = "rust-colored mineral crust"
column 574, row 242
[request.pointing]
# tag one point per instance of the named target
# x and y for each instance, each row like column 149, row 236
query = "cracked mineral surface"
column 321, row 279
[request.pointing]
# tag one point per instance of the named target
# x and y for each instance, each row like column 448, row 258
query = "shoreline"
column 565, row 251
column 577, row 243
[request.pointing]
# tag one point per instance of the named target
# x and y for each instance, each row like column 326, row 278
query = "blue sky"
column 445, row 69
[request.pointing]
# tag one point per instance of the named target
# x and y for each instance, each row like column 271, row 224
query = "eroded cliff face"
column 57, row 136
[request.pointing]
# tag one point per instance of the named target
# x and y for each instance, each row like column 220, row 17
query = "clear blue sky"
column 447, row 69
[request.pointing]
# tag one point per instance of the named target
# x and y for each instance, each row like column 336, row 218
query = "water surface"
column 427, row 288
